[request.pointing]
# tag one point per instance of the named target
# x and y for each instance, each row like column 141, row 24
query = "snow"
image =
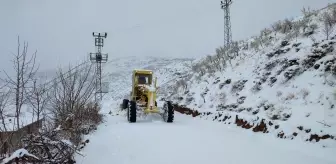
column 18, row 154
column 190, row 140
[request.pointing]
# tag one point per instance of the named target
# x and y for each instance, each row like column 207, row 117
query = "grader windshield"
column 143, row 77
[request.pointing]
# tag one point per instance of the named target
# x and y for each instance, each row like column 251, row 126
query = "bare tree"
column 235, row 48
column 287, row 26
column 277, row 26
column 304, row 23
column 333, row 13
column 306, row 12
column 4, row 102
column 328, row 23
column 217, row 61
column 255, row 43
column 209, row 58
column 222, row 54
column 6, row 119
column 25, row 70
column 296, row 29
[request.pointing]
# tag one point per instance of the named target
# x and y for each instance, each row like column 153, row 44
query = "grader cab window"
column 144, row 79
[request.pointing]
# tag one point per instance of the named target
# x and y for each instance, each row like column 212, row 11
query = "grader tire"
column 170, row 112
column 125, row 104
column 132, row 114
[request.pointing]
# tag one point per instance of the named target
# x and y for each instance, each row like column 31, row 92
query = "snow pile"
column 287, row 75
column 20, row 153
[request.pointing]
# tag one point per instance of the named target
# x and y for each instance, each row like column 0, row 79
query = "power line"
column 70, row 70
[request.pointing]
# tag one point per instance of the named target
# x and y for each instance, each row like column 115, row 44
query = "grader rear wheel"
column 125, row 104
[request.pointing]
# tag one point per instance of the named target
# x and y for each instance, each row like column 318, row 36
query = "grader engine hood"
column 151, row 95
column 147, row 94
column 151, row 92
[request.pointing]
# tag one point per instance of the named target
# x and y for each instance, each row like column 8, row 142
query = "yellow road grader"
column 143, row 98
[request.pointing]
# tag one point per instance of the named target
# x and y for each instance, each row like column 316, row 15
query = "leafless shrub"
column 290, row 96
column 286, row 26
column 222, row 97
column 277, row 26
column 198, row 78
column 313, row 39
column 209, row 64
column 279, row 93
column 199, row 68
column 296, row 29
column 333, row 12
column 266, row 32
column 304, row 92
column 334, row 94
column 307, row 12
column 72, row 104
column 195, row 68
column 235, row 49
column 222, row 55
column 255, row 43
column 304, row 23
column 181, row 83
column 313, row 26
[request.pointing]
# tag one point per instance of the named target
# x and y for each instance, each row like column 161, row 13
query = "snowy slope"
column 288, row 80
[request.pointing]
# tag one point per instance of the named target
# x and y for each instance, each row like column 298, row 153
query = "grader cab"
column 143, row 97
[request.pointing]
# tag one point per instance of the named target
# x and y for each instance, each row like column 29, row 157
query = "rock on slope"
column 284, row 78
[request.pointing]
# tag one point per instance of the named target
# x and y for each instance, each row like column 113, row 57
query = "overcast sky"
column 61, row 30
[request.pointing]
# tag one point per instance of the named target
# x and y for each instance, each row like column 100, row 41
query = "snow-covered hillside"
column 285, row 76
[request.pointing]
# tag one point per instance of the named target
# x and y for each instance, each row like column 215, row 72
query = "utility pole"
column 225, row 5
column 98, row 57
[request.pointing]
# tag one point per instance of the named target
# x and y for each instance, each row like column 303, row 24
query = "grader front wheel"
column 131, row 112
column 168, row 115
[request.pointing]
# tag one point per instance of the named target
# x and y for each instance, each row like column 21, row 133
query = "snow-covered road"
column 193, row 141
